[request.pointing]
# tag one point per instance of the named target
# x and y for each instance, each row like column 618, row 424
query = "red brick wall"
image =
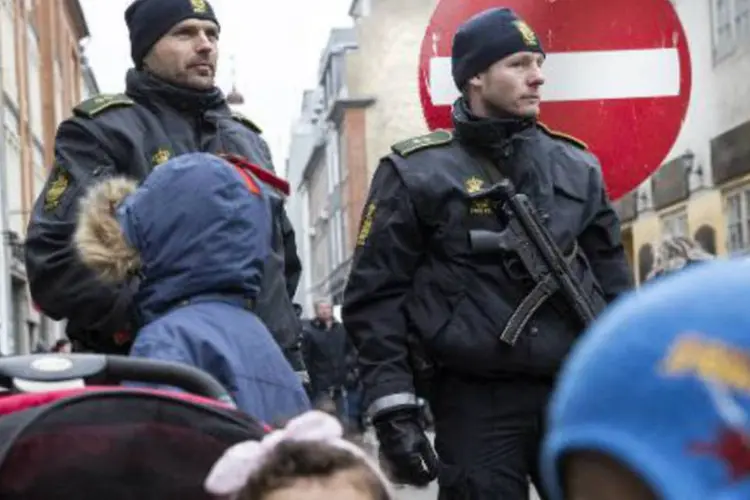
column 356, row 161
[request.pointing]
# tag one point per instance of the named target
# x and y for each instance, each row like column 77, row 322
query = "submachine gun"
column 526, row 237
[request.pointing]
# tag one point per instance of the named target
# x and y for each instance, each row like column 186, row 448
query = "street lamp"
column 690, row 167
column 643, row 202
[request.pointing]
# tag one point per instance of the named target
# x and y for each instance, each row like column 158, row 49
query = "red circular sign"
column 618, row 76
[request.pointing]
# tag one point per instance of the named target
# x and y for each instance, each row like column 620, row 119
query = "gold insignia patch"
column 707, row 359
column 199, row 6
column 473, row 184
column 477, row 207
column 56, row 189
column 162, row 155
column 528, row 35
column 364, row 231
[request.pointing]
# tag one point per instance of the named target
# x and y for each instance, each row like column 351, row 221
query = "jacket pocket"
column 568, row 212
column 469, row 341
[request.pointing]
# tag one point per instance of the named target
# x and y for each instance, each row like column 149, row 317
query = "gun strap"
column 542, row 291
column 490, row 169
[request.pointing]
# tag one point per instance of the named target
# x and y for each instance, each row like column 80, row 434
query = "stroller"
column 98, row 441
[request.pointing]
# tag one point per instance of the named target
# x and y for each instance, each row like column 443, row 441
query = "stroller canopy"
column 114, row 444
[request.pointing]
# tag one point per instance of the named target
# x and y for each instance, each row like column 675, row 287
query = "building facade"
column 43, row 75
column 332, row 160
column 702, row 190
column 366, row 100
column 304, row 140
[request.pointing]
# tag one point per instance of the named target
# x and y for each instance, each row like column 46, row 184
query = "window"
column 332, row 157
column 738, row 221
column 58, row 90
column 360, row 9
column 318, row 221
column 333, row 80
column 336, row 186
column 8, row 43
column 40, row 173
column 13, row 171
column 319, row 244
column 343, row 166
column 73, row 71
column 35, row 84
column 731, row 26
column 675, row 224
column 334, row 254
column 742, row 19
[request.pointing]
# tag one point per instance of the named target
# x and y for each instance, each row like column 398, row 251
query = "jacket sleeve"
column 292, row 262
column 601, row 241
column 389, row 249
column 60, row 284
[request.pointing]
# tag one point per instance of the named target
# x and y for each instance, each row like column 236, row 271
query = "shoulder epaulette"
column 556, row 134
column 414, row 144
column 246, row 122
column 96, row 105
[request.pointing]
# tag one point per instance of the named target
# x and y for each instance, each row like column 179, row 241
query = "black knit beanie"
column 149, row 20
column 488, row 37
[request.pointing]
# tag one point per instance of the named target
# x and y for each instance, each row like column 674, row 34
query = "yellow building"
column 680, row 201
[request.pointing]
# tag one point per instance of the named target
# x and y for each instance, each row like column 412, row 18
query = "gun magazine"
column 526, row 309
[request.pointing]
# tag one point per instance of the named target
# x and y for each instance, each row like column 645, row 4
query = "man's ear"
column 475, row 81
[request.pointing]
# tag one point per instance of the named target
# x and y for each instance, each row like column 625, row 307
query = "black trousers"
column 488, row 434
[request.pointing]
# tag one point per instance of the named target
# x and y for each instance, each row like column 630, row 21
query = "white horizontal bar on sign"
column 590, row 75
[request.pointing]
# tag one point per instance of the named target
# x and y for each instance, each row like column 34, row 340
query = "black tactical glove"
column 405, row 452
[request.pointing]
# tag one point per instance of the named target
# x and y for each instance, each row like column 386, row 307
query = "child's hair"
column 292, row 461
column 310, row 447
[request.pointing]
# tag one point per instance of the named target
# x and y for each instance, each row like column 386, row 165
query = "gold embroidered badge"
column 364, row 231
column 528, row 35
column 477, row 207
column 199, row 6
column 473, row 184
column 161, row 156
column 56, row 189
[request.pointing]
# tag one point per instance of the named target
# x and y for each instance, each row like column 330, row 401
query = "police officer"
column 415, row 274
column 170, row 107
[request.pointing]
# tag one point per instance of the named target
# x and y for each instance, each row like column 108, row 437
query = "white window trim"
column 742, row 192
column 723, row 52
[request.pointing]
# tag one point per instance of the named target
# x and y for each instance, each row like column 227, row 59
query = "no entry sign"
column 617, row 76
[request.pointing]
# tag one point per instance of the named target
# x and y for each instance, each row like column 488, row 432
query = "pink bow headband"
column 231, row 472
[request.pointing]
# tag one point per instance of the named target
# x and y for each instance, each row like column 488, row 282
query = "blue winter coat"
column 202, row 238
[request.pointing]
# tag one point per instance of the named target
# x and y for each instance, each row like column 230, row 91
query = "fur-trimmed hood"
column 191, row 228
column 99, row 238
